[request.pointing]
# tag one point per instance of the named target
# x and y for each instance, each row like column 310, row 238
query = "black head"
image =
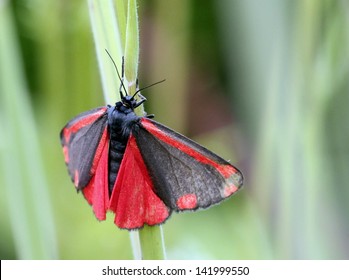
column 129, row 101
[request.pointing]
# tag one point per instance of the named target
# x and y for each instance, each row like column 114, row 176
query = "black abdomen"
column 120, row 123
column 117, row 147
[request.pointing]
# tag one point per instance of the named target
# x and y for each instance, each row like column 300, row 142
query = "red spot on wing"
column 187, row 201
column 96, row 192
column 133, row 199
column 230, row 189
column 66, row 154
column 76, row 178
column 88, row 119
column 225, row 170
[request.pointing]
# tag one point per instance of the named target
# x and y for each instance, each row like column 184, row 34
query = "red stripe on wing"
column 102, row 148
column 80, row 123
column 133, row 198
column 225, row 170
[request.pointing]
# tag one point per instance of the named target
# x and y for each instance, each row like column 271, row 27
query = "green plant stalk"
column 28, row 200
column 152, row 243
column 121, row 16
column 110, row 33
column 151, row 238
column 106, row 36
column 132, row 46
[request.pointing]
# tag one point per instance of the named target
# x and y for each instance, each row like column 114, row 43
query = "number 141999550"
column 217, row 270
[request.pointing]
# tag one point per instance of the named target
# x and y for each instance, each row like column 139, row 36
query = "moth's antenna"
column 138, row 90
column 117, row 71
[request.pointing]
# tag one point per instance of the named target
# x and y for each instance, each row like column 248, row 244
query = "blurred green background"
column 262, row 83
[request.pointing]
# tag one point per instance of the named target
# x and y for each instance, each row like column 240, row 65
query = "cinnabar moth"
column 140, row 169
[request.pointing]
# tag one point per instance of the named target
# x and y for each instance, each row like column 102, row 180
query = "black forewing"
column 80, row 139
column 176, row 173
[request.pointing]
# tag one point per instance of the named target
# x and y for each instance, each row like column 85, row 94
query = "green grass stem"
column 112, row 30
column 107, row 36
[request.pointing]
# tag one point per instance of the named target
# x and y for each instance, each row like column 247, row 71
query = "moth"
column 140, row 169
